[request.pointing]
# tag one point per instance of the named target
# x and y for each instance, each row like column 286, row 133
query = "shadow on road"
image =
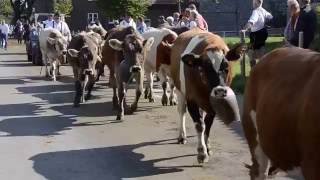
column 24, row 109
column 111, row 163
column 42, row 126
column 12, row 81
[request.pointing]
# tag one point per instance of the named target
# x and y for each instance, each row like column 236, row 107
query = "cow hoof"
column 76, row 105
column 202, row 158
column 133, row 107
column 210, row 152
column 173, row 103
column 145, row 94
column 182, row 140
column 164, row 102
column 87, row 97
column 128, row 111
column 119, row 117
column 151, row 100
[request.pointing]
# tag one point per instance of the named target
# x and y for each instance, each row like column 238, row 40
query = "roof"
column 163, row 1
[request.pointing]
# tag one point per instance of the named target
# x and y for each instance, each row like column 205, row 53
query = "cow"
column 199, row 66
column 134, row 50
column 53, row 46
column 281, row 118
column 158, row 60
column 111, row 57
column 83, row 55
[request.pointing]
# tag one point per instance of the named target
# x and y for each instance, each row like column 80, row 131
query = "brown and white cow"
column 133, row 49
column 53, row 46
column 281, row 118
column 158, row 60
column 83, row 56
column 199, row 66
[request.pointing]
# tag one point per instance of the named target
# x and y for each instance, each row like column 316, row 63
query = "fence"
column 271, row 32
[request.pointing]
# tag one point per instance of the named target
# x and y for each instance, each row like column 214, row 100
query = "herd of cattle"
column 280, row 119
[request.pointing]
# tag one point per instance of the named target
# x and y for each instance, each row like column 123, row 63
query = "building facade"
column 221, row 15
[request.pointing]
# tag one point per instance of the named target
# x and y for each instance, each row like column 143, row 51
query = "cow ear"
column 236, row 52
column 148, row 43
column 51, row 41
column 191, row 60
column 73, row 53
column 116, row 44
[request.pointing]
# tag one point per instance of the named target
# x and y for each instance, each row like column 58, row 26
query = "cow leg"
column 208, row 120
column 54, row 68
column 148, row 94
column 84, row 85
column 164, row 82
column 78, row 95
column 164, row 99
column 121, row 93
column 172, row 98
column 90, row 85
column 200, row 126
column 139, row 89
column 45, row 62
column 260, row 162
column 113, row 83
column 182, row 139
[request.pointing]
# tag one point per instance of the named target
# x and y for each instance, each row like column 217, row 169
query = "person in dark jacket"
column 306, row 23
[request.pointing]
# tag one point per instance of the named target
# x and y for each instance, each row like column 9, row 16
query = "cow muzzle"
column 135, row 69
column 224, row 103
column 64, row 52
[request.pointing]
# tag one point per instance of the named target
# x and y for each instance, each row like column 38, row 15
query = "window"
column 92, row 17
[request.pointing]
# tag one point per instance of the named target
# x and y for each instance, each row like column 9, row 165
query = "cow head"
column 88, row 57
column 59, row 44
column 134, row 50
column 213, row 67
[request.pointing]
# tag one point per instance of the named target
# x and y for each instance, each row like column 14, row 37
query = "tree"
column 117, row 8
column 22, row 8
column 5, row 8
column 63, row 6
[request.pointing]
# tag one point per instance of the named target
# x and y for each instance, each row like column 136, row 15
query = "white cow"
column 162, row 35
column 53, row 46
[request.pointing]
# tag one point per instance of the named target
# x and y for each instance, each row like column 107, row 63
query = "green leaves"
column 117, row 8
column 63, row 6
column 5, row 8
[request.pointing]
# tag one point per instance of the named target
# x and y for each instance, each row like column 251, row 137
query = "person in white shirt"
column 193, row 19
column 62, row 26
column 49, row 22
column 128, row 21
column 4, row 29
column 258, row 31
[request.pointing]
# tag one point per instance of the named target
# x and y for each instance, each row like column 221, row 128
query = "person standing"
column 194, row 21
column 4, row 28
column 176, row 18
column 61, row 26
column 258, row 31
column 294, row 10
column 49, row 22
column 141, row 25
column 128, row 21
column 306, row 23
column 202, row 23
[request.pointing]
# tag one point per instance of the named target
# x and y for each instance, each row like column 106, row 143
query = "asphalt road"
column 43, row 137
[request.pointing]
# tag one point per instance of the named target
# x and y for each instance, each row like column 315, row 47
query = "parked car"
column 33, row 47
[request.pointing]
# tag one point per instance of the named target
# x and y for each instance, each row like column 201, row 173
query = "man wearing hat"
column 61, row 26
